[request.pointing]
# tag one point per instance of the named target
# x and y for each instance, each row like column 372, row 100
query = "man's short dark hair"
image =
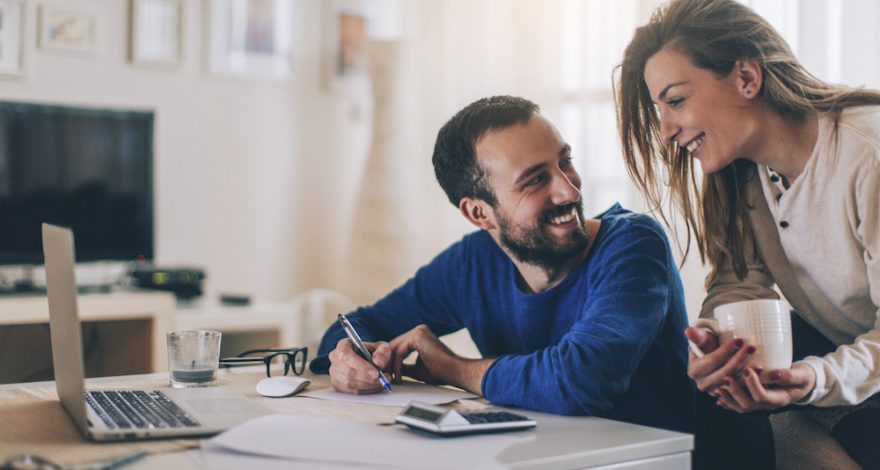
column 455, row 159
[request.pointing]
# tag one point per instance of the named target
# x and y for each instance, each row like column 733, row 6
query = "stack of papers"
column 402, row 395
column 282, row 440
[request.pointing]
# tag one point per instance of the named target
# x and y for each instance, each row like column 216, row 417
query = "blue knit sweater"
column 607, row 341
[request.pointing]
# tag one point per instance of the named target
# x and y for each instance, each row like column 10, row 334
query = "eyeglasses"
column 35, row 462
column 29, row 462
column 294, row 359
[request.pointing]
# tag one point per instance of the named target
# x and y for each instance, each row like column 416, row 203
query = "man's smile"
column 561, row 219
column 562, row 216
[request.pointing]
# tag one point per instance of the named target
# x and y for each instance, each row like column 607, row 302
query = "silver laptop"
column 104, row 415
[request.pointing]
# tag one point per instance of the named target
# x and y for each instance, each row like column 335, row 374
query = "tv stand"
column 91, row 277
column 21, row 288
column 31, row 290
column 131, row 325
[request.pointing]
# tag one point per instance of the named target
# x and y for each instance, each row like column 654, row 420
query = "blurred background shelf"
column 262, row 325
column 123, row 332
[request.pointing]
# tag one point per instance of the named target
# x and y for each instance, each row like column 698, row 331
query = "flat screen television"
column 88, row 169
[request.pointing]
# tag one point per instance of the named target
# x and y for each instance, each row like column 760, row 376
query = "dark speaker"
column 186, row 283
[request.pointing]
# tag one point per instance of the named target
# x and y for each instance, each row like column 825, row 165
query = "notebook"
column 123, row 414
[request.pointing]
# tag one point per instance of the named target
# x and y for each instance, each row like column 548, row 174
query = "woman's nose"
column 668, row 130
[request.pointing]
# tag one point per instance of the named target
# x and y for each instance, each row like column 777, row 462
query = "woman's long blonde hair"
column 714, row 35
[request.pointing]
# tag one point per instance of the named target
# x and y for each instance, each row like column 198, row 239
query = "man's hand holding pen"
column 351, row 373
column 436, row 364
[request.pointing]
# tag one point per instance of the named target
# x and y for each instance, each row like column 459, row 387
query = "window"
column 594, row 35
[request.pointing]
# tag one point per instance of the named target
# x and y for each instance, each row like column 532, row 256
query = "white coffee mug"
column 765, row 324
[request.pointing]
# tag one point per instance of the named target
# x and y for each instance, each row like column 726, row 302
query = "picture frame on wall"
column 346, row 42
column 11, row 14
column 67, row 28
column 156, row 32
column 250, row 38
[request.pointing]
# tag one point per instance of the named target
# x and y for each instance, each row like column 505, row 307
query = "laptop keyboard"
column 138, row 409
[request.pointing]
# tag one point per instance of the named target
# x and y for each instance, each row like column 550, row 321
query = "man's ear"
column 749, row 77
column 477, row 212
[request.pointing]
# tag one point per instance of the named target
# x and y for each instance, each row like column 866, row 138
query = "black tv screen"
column 88, row 169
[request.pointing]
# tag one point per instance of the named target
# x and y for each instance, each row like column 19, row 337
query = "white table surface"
column 559, row 441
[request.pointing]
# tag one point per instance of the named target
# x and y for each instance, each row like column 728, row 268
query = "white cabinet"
column 124, row 331
column 262, row 325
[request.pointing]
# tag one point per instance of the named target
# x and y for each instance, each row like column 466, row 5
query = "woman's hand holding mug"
column 752, row 333
column 708, row 363
column 785, row 386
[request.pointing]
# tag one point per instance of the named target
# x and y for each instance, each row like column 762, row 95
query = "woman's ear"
column 749, row 77
column 477, row 212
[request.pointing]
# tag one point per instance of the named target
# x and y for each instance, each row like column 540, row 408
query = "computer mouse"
column 281, row 386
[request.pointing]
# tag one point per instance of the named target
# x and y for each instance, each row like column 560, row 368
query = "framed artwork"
column 156, row 32
column 10, row 37
column 250, row 37
column 64, row 28
column 346, row 57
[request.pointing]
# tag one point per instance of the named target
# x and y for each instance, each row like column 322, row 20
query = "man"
column 572, row 316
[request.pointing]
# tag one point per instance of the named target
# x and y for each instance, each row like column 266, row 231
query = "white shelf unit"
column 262, row 325
column 131, row 320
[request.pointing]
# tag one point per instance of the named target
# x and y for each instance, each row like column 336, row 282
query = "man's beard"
column 535, row 246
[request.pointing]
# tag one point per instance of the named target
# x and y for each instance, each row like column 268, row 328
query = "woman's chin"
column 709, row 170
column 709, row 166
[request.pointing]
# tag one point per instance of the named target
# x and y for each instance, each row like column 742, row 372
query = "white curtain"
column 560, row 54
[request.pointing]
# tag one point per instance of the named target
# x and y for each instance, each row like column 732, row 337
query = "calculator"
column 446, row 422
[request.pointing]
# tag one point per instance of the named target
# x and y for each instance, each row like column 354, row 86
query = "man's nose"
column 565, row 191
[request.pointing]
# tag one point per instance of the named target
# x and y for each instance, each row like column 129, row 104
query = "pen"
column 361, row 349
column 112, row 463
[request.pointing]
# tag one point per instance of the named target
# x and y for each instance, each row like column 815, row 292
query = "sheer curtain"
column 836, row 40
column 560, row 54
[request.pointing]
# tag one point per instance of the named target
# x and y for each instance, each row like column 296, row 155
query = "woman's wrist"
column 810, row 388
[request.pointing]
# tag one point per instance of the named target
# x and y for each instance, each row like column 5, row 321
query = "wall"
column 258, row 181
column 252, row 178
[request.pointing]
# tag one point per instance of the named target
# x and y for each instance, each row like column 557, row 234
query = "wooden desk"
column 134, row 323
column 559, row 442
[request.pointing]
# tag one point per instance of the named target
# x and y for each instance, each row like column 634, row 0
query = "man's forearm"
column 467, row 373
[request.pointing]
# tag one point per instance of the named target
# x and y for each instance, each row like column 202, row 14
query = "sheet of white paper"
column 219, row 458
column 307, row 439
column 402, row 395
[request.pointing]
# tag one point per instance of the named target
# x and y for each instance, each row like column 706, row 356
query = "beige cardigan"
column 852, row 373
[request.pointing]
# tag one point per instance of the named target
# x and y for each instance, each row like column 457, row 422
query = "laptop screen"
column 67, row 356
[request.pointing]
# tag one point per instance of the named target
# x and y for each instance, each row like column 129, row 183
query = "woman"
column 790, row 196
